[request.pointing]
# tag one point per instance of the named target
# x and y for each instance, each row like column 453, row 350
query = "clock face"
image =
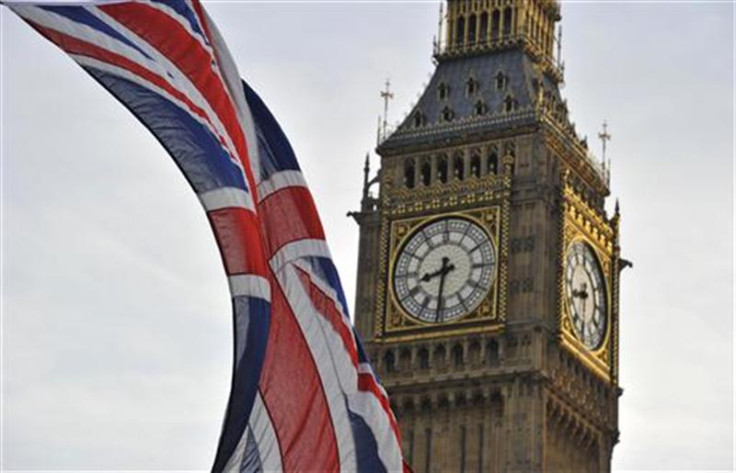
column 444, row 270
column 585, row 293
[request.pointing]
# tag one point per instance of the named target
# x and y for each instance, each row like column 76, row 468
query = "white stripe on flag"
column 159, row 66
column 299, row 249
column 278, row 181
column 231, row 79
column 163, row 67
column 251, row 285
column 264, row 436
column 226, row 197
column 333, row 364
column 363, row 403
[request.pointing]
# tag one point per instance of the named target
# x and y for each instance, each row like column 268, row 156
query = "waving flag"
column 303, row 395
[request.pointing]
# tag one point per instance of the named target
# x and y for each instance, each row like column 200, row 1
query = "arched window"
column 471, row 30
column 443, row 90
column 480, row 108
column 474, row 352
column 471, row 86
column 458, row 168
column 501, row 81
column 495, row 24
column 460, row 31
column 409, row 174
column 426, row 173
column 442, row 169
column 419, row 119
column 439, row 355
column 475, row 166
column 507, row 21
column 492, row 353
column 510, row 104
column 493, row 161
column 447, row 114
column 389, row 362
column 423, row 358
column 405, row 359
column 483, row 37
column 457, row 356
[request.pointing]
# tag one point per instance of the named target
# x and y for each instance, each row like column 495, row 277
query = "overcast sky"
column 116, row 337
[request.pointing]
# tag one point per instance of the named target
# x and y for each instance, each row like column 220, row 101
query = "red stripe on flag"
column 293, row 393
column 184, row 50
column 367, row 382
column 326, row 306
column 238, row 234
column 289, row 214
column 72, row 45
column 199, row 11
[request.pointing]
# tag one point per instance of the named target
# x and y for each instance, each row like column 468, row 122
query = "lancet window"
column 458, row 166
column 426, row 173
column 475, row 166
column 409, row 172
column 442, row 169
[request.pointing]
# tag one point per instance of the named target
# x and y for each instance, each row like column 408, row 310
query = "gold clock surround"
column 489, row 314
column 582, row 224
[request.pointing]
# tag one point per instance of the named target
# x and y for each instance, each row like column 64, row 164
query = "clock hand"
column 440, row 299
column 443, row 272
column 444, row 269
column 581, row 294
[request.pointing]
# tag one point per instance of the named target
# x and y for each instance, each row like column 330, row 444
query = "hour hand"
column 444, row 269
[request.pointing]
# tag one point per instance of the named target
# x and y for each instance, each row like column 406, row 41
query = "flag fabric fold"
column 303, row 395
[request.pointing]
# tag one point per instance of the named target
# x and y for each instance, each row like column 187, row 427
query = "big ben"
column 488, row 273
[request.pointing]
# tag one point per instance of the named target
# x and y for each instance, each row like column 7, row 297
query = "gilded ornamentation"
column 399, row 322
column 581, row 223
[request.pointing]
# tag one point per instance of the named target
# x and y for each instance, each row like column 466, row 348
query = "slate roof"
column 522, row 76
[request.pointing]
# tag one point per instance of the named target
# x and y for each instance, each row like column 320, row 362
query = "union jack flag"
column 304, row 396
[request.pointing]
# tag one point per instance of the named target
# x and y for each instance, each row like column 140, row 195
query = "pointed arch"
column 472, row 30
column 460, row 31
column 495, row 24
column 483, row 32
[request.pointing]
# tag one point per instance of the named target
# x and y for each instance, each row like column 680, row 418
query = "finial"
column 386, row 95
column 366, row 173
column 378, row 131
column 605, row 137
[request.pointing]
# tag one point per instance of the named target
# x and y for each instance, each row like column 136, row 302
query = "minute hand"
column 440, row 299
column 444, row 270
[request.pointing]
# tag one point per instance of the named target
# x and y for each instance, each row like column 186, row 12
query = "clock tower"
column 488, row 271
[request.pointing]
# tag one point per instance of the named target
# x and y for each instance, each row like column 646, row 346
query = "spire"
column 605, row 137
column 386, row 95
column 366, row 173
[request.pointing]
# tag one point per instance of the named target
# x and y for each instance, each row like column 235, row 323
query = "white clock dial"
column 585, row 293
column 444, row 270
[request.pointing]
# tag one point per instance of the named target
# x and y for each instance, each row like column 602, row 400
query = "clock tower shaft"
column 527, row 381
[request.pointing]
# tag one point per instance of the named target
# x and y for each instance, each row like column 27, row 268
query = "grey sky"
column 116, row 338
